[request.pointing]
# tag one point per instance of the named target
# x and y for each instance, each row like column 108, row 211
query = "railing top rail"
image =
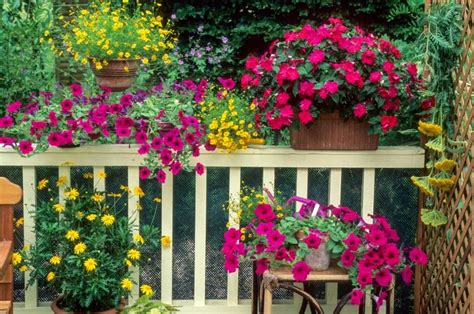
column 259, row 156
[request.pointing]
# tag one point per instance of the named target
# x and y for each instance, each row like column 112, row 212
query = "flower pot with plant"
column 85, row 248
column 335, row 86
column 273, row 237
column 114, row 40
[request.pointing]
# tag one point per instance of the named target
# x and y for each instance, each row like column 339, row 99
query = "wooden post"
column 10, row 194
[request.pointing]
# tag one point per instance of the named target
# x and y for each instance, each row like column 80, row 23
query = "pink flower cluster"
column 332, row 67
column 59, row 120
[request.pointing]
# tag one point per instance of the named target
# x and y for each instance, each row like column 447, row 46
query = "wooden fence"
column 445, row 285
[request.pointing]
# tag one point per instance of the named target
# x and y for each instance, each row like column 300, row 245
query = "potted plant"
column 228, row 116
column 85, row 247
column 113, row 40
column 273, row 238
column 333, row 85
column 160, row 121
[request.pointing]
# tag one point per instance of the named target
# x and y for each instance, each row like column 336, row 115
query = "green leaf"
column 433, row 217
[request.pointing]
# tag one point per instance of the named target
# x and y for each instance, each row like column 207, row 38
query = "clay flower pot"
column 319, row 259
column 117, row 74
column 55, row 307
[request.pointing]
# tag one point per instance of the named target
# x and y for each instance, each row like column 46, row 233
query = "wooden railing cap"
column 10, row 193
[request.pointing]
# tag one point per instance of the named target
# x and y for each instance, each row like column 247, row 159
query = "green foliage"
column 144, row 306
column 84, row 247
column 26, row 65
column 433, row 217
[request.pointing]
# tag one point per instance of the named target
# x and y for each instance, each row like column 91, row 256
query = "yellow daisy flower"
column 90, row 264
column 42, row 184
column 108, row 219
column 61, row 181
column 102, row 175
column 138, row 191
column 16, row 258
column 59, row 207
column 55, row 260
column 133, row 254
column 72, row 194
column 23, row 268
column 72, row 235
column 91, row 217
column 51, row 275
column 166, row 241
column 126, row 284
column 429, row 129
column 97, row 197
column 80, row 248
column 146, row 290
column 128, row 263
column 20, row 222
column 445, row 164
column 138, row 238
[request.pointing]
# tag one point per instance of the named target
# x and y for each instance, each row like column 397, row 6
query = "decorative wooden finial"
column 10, row 194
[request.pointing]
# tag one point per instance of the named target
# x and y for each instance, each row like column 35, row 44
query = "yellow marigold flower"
column 72, row 194
column 59, row 207
column 51, row 275
column 97, row 197
column 90, row 264
column 23, row 268
column 429, row 129
column 16, row 258
column 138, row 238
column 20, row 222
column 133, row 254
column 445, row 164
column 91, row 217
column 72, row 235
column 102, row 175
column 145, row 60
column 146, row 290
column 157, row 200
column 42, row 184
column 242, row 237
column 126, row 284
column 138, row 191
column 166, row 241
column 61, row 181
column 80, row 248
column 108, row 219
column 55, row 260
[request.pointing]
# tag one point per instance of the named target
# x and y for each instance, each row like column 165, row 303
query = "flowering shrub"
column 104, row 32
column 333, row 67
column 160, row 121
column 229, row 117
column 369, row 251
column 85, row 246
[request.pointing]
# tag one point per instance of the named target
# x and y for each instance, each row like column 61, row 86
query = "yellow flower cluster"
column 166, row 241
column 104, row 31
column 445, row 164
column 90, row 264
column 423, row 184
column 429, row 129
column 71, row 194
column 230, row 121
column 443, row 183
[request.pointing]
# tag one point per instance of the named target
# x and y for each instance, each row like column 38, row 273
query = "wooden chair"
column 10, row 194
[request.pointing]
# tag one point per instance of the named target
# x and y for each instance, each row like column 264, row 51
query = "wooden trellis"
column 445, row 285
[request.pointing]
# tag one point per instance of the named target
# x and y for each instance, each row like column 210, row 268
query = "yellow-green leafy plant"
column 86, row 245
column 103, row 31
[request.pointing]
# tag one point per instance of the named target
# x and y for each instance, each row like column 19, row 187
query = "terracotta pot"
column 319, row 259
column 118, row 74
column 330, row 132
column 58, row 310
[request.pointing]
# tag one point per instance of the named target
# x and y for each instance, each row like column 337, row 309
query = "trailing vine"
column 438, row 54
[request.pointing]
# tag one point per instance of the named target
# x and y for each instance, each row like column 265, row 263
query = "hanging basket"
column 117, row 74
column 330, row 132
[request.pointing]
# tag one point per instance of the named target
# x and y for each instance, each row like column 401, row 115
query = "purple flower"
column 224, row 39
column 173, row 16
column 200, row 28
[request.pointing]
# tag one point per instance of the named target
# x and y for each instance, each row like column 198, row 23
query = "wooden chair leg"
column 267, row 301
column 256, row 290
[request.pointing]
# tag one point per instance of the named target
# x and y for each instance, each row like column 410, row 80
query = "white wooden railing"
column 267, row 158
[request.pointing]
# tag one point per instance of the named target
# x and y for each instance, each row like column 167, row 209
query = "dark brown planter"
column 330, row 132
column 70, row 146
column 57, row 310
column 118, row 74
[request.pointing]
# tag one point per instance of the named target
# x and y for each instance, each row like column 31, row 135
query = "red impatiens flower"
column 316, row 57
column 300, row 271
column 305, row 117
column 251, row 63
column 368, row 57
column 306, row 88
column 281, row 99
column 359, row 110
column 375, row 77
column 388, row 122
column 245, row 80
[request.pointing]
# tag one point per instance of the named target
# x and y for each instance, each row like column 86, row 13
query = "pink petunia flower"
column 300, row 271
column 356, row 296
column 232, row 235
column 145, row 173
column 392, row 255
column 383, row 277
column 347, row 258
column 227, row 83
column 352, row 242
column 176, row 167
column 6, row 122
column 199, row 168
column 161, row 176
column 25, row 147
column 264, row 212
column 274, row 239
column 312, row 241
column 376, row 237
column 14, row 107
column 231, row 263
column 264, row 228
column 417, row 256
column 262, row 266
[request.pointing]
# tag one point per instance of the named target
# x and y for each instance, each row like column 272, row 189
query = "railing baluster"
column 167, row 229
column 134, row 216
column 301, row 190
column 269, row 179
column 233, row 279
column 335, row 183
column 368, row 197
column 64, row 171
column 200, row 238
column 29, row 203
column 99, row 183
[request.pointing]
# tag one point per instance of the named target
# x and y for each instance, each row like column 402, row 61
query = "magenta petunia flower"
column 356, row 296
column 199, row 168
column 347, row 258
column 141, row 137
column 55, row 139
column 126, row 100
column 144, row 149
column 300, row 271
column 66, row 105
column 166, row 156
column 264, row 212
column 262, row 266
column 177, row 144
column 145, row 173
column 123, row 131
column 176, row 167
column 6, row 122
column 231, row 263
column 417, row 256
column 66, row 137
column 312, row 241
column 227, row 83
column 6, row 141
column 274, row 239
column 392, row 255
column 25, row 147
column 232, row 235
column 14, row 107
column 407, row 274
column 161, row 176
column 376, row 237
column 76, row 90
column 364, row 278
column 352, row 242
column 259, row 248
column 264, row 228
column 383, row 277
column 156, row 143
